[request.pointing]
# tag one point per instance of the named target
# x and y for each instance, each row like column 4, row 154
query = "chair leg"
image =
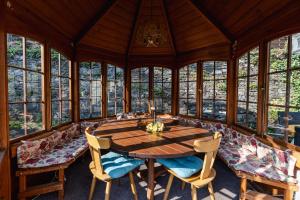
column 194, row 192
column 211, row 191
column 107, row 190
column 92, row 188
column 168, row 187
column 132, row 185
column 61, row 179
column 182, row 185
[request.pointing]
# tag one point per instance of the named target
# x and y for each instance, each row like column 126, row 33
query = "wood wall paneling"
column 5, row 180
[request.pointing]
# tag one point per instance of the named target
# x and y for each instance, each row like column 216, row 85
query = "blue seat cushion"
column 117, row 165
column 184, row 167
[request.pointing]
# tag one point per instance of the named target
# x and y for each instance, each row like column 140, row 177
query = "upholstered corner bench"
column 255, row 159
column 54, row 152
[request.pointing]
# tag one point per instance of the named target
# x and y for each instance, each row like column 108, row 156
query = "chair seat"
column 117, row 165
column 184, row 167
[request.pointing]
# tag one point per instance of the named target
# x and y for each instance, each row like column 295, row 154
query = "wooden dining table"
column 129, row 137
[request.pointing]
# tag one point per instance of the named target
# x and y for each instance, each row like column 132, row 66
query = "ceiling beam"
column 133, row 27
column 169, row 26
column 100, row 13
column 212, row 20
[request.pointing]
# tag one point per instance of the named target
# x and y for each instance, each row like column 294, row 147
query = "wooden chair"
column 97, row 166
column 207, row 174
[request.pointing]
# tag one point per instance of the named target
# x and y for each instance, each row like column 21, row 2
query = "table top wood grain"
column 129, row 137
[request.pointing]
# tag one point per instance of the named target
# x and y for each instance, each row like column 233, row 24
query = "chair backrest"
column 96, row 144
column 210, row 148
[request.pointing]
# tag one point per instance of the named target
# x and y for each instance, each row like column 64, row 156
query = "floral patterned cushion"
column 61, row 153
column 42, row 152
column 86, row 124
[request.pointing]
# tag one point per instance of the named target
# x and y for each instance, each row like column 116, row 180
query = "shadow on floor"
column 78, row 180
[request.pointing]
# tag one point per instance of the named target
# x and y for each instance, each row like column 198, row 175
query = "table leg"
column 150, row 190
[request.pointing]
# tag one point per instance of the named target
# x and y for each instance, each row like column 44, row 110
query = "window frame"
column 115, row 89
column 202, row 80
column 162, row 82
column 248, row 78
column 60, row 100
column 25, row 101
column 187, row 88
column 90, row 98
column 140, row 82
column 288, row 73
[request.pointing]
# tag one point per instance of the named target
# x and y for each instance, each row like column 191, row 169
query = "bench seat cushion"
column 60, row 154
column 117, row 165
column 184, row 167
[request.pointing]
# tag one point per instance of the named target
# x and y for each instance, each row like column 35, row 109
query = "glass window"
column 25, row 82
column 115, row 90
column 139, row 89
column 60, row 89
column 214, row 90
column 162, row 89
column 187, row 89
column 90, row 90
column 247, row 89
column 284, row 88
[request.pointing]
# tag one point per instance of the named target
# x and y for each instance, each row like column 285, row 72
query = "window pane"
column 253, row 85
column 54, row 62
column 183, row 74
column 84, row 71
column 277, row 88
column 84, row 108
column 208, row 90
column 221, row 90
column 243, row 65
column 55, row 108
column 192, row 107
column 66, row 112
column 242, row 89
column 208, row 107
column 254, row 54
column 295, row 89
column 242, row 113
column 15, row 50
column 296, row 50
column 279, row 54
column 16, row 120
column 33, row 55
column 65, row 89
column 275, row 121
column 34, row 86
column 183, row 106
column 55, row 88
column 96, row 71
column 64, row 66
column 208, row 70
column 220, row 110
column 34, row 117
column 221, row 70
column 15, row 85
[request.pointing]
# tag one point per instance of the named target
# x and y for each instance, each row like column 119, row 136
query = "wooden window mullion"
column 25, row 85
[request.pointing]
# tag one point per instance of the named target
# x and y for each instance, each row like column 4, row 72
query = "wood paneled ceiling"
column 117, row 25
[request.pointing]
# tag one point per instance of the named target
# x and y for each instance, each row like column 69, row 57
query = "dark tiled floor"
column 78, row 180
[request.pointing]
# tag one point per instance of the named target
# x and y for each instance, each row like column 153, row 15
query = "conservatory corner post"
column 175, row 88
column 127, row 89
column 262, row 92
column 199, row 89
column 5, row 181
column 46, row 89
column 232, row 86
column 75, row 92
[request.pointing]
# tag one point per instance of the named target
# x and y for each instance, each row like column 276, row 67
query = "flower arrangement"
column 155, row 127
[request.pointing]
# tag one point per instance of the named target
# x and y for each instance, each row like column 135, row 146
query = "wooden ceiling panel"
column 239, row 16
column 113, row 29
column 152, row 21
column 191, row 30
column 67, row 17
